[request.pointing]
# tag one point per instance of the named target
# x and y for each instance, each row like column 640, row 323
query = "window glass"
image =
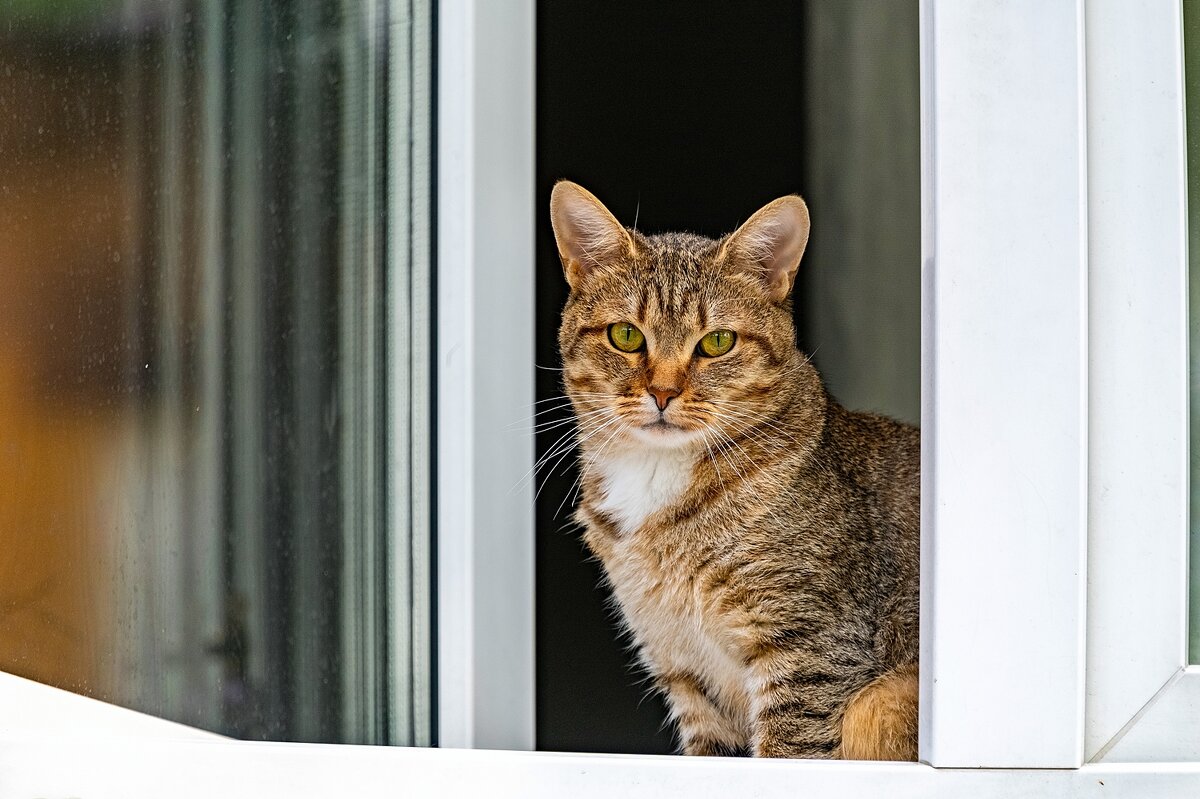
column 213, row 369
column 1191, row 57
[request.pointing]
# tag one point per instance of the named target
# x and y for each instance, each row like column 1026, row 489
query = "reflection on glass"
column 195, row 433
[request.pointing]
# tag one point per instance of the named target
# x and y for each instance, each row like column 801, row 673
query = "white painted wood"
column 484, row 370
column 32, row 712
column 57, row 743
column 1004, row 408
column 263, row 770
column 1138, row 361
column 1166, row 730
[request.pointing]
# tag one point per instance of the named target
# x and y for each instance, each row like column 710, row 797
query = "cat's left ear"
column 588, row 235
column 770, row 244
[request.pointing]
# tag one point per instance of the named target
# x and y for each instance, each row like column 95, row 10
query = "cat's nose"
column 663, row 395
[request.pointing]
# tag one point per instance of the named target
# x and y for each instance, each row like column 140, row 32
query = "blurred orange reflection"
column 62, row 340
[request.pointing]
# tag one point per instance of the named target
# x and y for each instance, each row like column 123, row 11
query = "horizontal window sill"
column 143, row 768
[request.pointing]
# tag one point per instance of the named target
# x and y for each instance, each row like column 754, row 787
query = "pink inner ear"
column 585, row 231
column 590, row 237
column 773, row 240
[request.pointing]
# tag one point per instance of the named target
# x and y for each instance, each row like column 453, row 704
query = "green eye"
column 626, row 337
column 716, row 343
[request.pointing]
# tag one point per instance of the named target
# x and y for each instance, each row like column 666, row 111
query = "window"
column 1054, row 421
column 1138, row 682
column 215, row 402
column 722, row 111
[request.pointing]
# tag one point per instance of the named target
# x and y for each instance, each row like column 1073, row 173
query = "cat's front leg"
column 797, row 712
column 704, row 728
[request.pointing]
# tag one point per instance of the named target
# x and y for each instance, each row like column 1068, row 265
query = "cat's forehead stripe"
column 678, row 263
column 672, row 291
column 671, row 308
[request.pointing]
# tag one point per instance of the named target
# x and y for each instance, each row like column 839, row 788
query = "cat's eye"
column 625, row 337
column 718, row 342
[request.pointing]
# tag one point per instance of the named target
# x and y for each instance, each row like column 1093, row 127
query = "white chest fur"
column 639, row 482
column 674, row 629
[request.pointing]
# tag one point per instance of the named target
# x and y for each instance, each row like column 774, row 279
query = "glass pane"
column 1191, row 45
column 215, row 494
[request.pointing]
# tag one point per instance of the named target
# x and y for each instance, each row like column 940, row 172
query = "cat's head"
column 677, row 340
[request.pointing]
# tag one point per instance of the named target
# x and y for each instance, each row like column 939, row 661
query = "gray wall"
column 862, row 283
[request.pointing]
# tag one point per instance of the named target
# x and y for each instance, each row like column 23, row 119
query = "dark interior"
column 681, row 116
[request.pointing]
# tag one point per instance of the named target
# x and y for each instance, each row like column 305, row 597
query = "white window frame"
column 485, row 296
column 1036, row 331
column 1004, row 376
column 1143, row 697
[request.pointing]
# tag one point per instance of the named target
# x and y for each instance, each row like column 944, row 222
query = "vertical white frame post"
column 1004, row 420
column 1142, row 699
column 485, row 328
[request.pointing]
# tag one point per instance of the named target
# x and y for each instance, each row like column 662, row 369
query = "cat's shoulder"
column 872, row 442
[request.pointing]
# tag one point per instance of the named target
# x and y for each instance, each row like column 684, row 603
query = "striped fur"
column 760, row 540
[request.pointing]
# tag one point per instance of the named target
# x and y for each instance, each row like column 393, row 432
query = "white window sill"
column 56, row 743
column 221, row 768
column 31, row 712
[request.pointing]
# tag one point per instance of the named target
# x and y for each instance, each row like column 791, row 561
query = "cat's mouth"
column 661, row 433
column 661, row 430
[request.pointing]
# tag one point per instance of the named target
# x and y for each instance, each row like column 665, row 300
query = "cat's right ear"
column 587, row 234
column 770, row 244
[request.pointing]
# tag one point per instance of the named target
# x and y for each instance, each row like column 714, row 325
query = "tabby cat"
column 761, row 541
